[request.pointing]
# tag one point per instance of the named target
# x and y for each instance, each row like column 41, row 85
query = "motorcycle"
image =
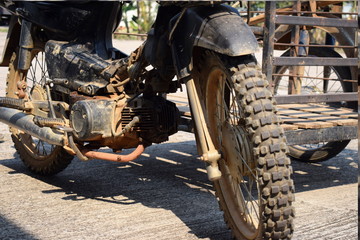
column 70, row 92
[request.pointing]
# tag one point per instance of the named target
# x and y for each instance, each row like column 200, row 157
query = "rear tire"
column 255, row 191
column 38, row 156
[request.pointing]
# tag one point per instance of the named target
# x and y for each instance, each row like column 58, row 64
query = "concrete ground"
column 164, row 194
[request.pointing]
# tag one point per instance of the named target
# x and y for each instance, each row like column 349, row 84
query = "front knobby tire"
column 255, row 191
column 38, row 156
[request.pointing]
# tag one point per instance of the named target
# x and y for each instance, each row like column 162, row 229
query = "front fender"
column 218, row 28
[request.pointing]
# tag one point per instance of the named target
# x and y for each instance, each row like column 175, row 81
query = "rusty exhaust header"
column 114, row 157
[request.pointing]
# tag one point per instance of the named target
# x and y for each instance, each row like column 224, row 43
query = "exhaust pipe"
column 24, row 122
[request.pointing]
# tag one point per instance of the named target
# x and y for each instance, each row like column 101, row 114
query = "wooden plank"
column 343, row 121
column 303, row 115
column 338, row 112
column 310, row 117
column 289, row 111
column 185, row 113
column 305, row 123
column 323, row 109
column 312, row 106
column 335, row 119
column 181, row 104
column 288, row 127
column 341, row 112
column 294, row 105
column 347, row 115
column 171, row 95
column 325, row 120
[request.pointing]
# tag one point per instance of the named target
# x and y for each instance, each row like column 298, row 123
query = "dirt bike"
column 69, row 93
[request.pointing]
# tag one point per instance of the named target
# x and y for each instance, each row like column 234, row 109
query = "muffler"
column 24, row 122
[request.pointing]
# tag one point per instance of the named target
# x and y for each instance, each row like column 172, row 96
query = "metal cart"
column 317, row 108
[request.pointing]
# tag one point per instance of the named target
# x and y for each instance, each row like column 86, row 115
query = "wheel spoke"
column 338, row 89
column 44, row 149
column 32, row 73
column 37, row 147
column 35, row 71
column 246, row 202
column 35, row 76
column 229, row 107
column 239, row 194
column 250, row 195
column 43, row 72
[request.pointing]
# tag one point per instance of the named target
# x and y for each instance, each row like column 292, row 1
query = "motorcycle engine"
column 159, row 118
column 109, row 122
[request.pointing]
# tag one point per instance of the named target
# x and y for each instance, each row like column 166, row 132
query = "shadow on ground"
column 169, row 176
column 9, row 228
column 340, row 170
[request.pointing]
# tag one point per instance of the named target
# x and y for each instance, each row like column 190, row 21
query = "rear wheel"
column 40, row 157
column 313, row 84
column 255, row 191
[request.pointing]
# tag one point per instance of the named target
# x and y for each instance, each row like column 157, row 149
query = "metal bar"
column 308, row 136
column 314, row 61
column 310, row 21
column 331, row 79
column 312, row 12
column 269, row 39
column 307, row 12
column 294, row 86
column 26, row 45
column 312, row 45
column 316, row 98
column 209, row 153
column 131, row 34
column 24, row 122
column 251, row 11
column 348, row 80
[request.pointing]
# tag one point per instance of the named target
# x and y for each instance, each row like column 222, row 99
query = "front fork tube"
column 26, row 46
column 209, row 153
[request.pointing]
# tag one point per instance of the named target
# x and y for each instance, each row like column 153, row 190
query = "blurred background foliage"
column 138, row 16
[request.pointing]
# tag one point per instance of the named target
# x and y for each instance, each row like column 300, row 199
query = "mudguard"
column 218, row 28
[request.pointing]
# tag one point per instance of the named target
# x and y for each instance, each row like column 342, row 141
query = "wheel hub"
column 38, row 93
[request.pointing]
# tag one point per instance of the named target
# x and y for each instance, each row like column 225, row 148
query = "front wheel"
column 38, row 156
column 255, row 191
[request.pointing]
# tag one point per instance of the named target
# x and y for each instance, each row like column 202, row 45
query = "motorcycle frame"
column 100, row 20
column 177, row 31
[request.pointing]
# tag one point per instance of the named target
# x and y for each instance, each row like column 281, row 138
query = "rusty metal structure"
column 315, row 116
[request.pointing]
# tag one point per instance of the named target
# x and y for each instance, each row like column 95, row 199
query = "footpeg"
column 14, row 103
